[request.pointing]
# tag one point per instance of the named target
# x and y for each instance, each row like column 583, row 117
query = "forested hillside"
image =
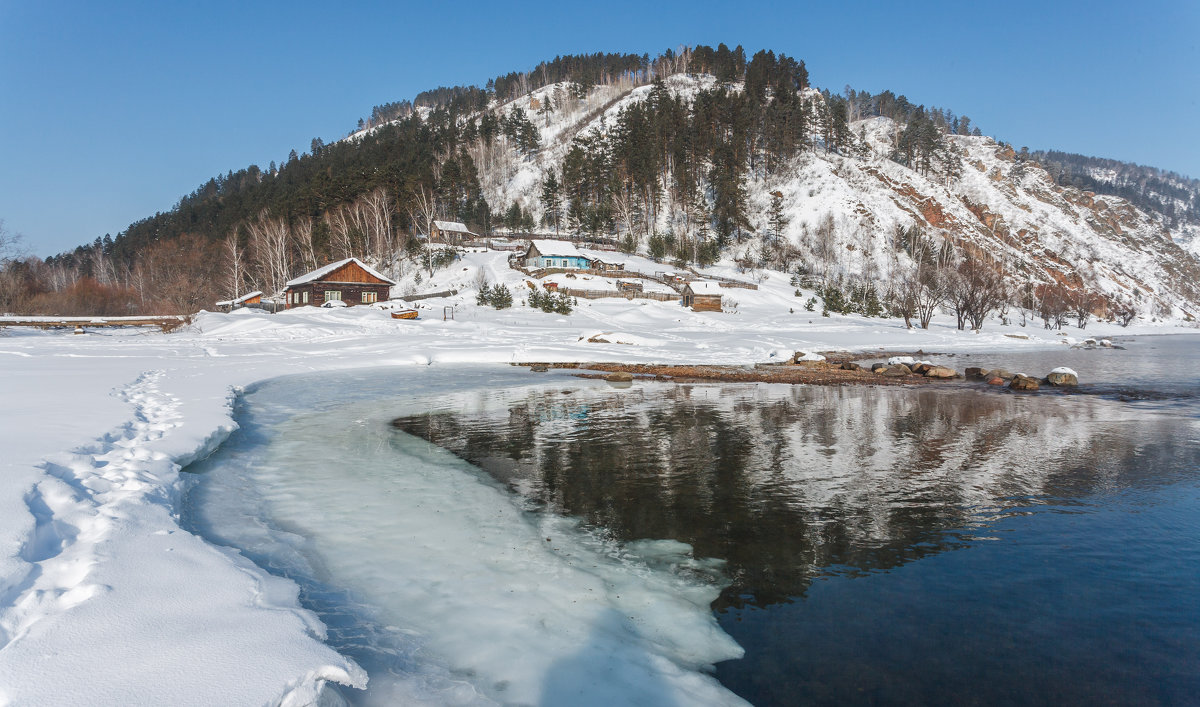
column 694, row 156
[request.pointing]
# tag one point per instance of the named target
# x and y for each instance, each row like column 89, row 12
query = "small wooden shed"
column 351, row 281
column 702, row 296
column 246, row 300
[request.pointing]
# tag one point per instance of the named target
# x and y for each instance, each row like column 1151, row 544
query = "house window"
column 369, row 297
column 306, row 297
column 333, row 295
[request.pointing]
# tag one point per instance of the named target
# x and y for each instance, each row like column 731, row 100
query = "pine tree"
column 778, row 221
column 552, row 199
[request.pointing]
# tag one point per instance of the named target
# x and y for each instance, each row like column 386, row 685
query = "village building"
column 349, row 281
column 246, row 300
column 451, row 232
column 555, row 254
column 505, row 244
column 702, row 296
column 604, row 266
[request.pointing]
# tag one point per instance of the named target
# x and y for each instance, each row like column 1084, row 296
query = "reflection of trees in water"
column 789, row 483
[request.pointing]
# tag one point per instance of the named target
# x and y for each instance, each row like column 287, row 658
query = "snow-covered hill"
column 998, row 204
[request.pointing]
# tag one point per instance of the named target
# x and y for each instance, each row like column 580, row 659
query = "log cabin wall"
column 351, row 292
column 704, row 303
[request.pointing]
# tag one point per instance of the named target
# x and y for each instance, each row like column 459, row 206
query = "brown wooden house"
column 702, row 296
column 451, row 232
column 349, row 281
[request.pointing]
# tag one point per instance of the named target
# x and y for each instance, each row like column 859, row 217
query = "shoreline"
column 828, row 372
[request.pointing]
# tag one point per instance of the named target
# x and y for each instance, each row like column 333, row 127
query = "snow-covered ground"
column 105, row 600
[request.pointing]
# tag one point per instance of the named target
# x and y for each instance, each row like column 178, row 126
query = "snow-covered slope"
column 1009, row 208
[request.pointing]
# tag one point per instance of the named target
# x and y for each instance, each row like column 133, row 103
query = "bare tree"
column 1082, row 303
column 1053, row 305
column 627, row 209
column 825, row 244
column 303, row 232
column 1123, row 310
column 423, row 209
column 235, row 263
column 376, row 209
column 974, row 289
column 922, row 289
column 341, row 239
column 9, row 244
column 12, row 285
column 270, row 246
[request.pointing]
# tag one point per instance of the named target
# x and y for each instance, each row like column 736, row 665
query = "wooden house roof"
column 557, row 249
column 330, row 273
column 453, row 227
column 244, row 298
column 704, row 287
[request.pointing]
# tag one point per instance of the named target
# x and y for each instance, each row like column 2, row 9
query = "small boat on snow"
column 404, row 314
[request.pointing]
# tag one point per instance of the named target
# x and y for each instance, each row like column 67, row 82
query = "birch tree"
column 235, row 263
column 270, row 241
column 303, row 232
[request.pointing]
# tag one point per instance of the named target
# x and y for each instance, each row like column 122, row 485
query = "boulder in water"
column 851, row 366
column 942, row 372
column 1023, row 382
column 975, row 372
column 1062, row 376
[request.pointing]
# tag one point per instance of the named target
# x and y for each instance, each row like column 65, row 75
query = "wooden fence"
column 166, row 323
column 429, row 295
column 604, row 294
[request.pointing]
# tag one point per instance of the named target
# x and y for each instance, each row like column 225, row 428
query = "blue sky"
column 110, row 112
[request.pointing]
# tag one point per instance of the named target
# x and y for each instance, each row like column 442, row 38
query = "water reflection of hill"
column 788, row 484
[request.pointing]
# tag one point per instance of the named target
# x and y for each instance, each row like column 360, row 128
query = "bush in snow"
column 499, row 296
column 550, row 302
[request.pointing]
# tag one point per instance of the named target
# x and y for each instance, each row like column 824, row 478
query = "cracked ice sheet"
column 104, row 600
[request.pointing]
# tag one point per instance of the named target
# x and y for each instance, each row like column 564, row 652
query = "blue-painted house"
column 555, row 254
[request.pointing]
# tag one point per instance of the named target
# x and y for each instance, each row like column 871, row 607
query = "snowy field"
column 104, row 600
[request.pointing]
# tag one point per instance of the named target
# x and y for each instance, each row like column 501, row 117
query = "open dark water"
column 938, row 546
column 955, row 544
